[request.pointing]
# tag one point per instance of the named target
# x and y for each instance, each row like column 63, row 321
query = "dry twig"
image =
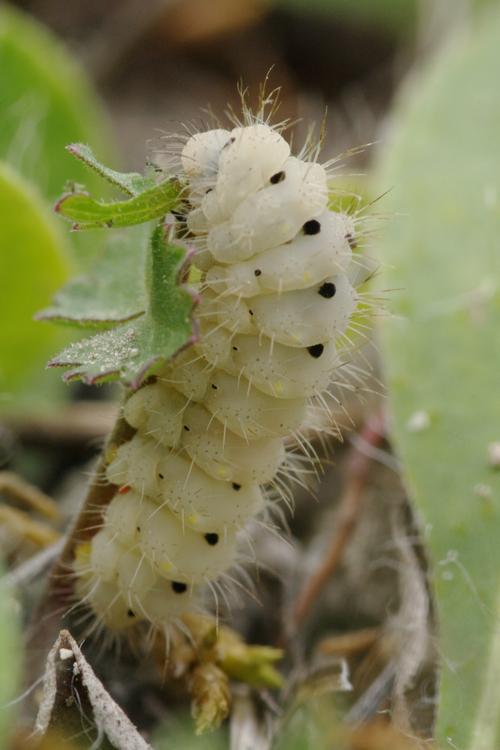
column 357, row 471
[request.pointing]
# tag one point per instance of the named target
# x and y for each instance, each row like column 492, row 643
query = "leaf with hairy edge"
column 442, row 355
column 130, row 351
column 131, row 183
column 87, row 213
column 112, row 292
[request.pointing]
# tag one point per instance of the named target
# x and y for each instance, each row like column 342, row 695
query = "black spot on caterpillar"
column 312, row 227
column 212, row 539
column 351, row 240
column 179, row 587
column 316, row 350
column 278, row 177
column 327, row 290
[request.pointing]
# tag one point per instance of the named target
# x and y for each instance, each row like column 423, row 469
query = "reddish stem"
column 357, row 471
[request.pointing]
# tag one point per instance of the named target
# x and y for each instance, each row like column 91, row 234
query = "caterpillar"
column 219, row 427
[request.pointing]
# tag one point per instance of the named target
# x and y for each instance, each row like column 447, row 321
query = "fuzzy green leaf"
column 442, row 354
column 112, row 292
column 87, row 213
column 131, row 351
column 131, row 183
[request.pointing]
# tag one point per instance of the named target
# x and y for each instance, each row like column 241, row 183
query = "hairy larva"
column 216, row 426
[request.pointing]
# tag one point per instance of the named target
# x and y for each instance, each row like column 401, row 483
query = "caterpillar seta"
column 220, row 427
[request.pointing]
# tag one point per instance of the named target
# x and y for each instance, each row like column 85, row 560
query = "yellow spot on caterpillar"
column 82, row 552
column 306, row 276
column 278, row 387
column 166, row 567
column 193, row 518
column 110, row 454
column 194, row 275
column 222, row 472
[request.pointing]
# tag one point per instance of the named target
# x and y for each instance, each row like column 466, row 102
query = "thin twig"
column 31, row 568
column 14, row 486
column 46, row 619
column 357, row 471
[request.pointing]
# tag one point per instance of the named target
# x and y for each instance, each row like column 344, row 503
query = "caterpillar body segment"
column 215, row 429
column 306, row 316
column 273, row 215
column 250, row 157
column 306, row 260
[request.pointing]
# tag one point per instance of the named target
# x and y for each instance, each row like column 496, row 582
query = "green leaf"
column 130, row 352
column 33, row 263
column 88, row 213
column 10, row 658
column 131, row 183
column 112, row 292
column 46, row 103
column 442, row 354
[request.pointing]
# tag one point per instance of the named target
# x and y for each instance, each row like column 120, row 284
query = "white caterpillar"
column 275, row 301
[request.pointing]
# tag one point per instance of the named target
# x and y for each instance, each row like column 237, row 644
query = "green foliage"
column 33, row 263
column 88, row 213
column 131, row 183
column 46, row 103
column 112, row 291
column 442, row 354
column 129, row 352
column 9, row 659
column 147, row 199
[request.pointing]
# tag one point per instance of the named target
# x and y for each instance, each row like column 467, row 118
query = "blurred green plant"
column 442, row 356
column 10, row 651
column 34, row 261
column 45, row 103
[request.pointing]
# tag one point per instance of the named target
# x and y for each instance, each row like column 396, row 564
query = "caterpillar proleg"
column 216, row 426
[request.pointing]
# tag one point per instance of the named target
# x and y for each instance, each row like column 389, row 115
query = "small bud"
column 211, row 697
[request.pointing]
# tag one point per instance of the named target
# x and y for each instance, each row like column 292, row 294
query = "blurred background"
column 122, row 75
